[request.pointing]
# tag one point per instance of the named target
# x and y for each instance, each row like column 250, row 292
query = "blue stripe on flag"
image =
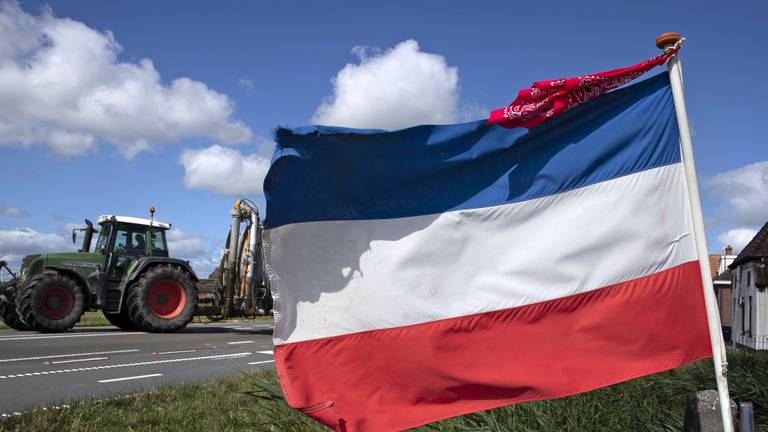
column 329, row 173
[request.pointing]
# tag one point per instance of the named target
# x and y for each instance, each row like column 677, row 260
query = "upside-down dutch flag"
column 439, row 270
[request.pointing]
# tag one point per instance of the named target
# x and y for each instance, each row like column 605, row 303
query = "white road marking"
column 241, row 342
column 16, row 338
column 67, row 355
column 261, row 362
column 265, row 352
column 122, row 365
column 77, row 360
column 130, row 378
column 175, row 352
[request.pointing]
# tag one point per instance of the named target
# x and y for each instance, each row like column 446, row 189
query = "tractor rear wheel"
column 163, row 300
column 50, row 302
column 9, row 316
column 120, row 320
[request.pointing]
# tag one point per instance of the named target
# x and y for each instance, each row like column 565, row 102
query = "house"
column 750, row 296
column 721, row 280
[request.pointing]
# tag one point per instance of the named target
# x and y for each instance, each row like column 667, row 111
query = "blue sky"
column 257, row 65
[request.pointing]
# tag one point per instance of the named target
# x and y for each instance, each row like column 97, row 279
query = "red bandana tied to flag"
column 435, row 271
column 547, row 99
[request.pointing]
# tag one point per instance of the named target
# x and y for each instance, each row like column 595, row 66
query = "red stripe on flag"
column 403, row 377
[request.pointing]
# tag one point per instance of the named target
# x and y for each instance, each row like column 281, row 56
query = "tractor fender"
column 143, row 264
column 81, row 283
column 146, row 262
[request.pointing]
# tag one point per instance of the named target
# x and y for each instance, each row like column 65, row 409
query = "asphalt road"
column 38, row 369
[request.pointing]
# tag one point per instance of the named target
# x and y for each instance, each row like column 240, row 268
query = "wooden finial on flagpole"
column 668, row 39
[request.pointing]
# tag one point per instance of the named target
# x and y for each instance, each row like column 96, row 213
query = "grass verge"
column 254, row 402
column 96, row 319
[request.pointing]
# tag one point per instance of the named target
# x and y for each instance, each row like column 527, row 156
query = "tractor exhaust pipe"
column 88, row 236
column 89, row 230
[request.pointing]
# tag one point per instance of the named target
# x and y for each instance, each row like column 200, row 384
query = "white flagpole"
column 667, row 41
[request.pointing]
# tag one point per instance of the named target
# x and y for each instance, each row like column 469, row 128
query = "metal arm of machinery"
column 243, row 266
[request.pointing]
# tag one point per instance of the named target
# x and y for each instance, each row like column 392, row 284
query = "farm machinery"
column 239, row 285
column 132, row 280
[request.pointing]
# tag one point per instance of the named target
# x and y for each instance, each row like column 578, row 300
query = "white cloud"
column 737, row 238
column 246, row 83
column 401, row 87
column 224, row 171
column 11, row 211
column 743, row 193
column 203, row 265
column 184, row 245
column 192, row 248
column 62, row 85
column 16, row 243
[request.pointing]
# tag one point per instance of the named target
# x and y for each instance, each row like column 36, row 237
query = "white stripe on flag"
column 376, row 274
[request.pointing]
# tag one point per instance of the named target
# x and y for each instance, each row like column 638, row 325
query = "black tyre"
column 10, row 317
column 50, row 302
column 120, row 320
column 163, row 300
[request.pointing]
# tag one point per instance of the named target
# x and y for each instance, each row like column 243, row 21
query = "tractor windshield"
column 132, row 240
column 104, row 232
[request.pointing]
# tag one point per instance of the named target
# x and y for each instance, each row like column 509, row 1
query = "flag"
column 435, row 271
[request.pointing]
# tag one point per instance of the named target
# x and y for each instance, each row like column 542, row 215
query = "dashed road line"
column 67, row 355
column 130, row 378
column 265, row 352
column 79, row 360
column 241, row 342
column 186, row 351
column 18, row 338
column 261, row 362
column 122, row 365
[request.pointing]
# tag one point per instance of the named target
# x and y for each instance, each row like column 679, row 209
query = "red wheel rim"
column 57, row 302
column 166, row 299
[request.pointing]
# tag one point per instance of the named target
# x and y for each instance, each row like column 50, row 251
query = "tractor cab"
column 131, row 236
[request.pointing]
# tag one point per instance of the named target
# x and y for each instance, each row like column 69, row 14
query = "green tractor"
column 129, row 277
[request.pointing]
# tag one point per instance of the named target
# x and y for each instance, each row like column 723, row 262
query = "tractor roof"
column 133, row 220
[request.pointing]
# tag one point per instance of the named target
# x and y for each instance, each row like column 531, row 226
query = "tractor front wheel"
column 50, row 302
column 163, row 300
column 9, row 316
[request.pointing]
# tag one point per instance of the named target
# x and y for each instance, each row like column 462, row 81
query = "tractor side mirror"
column 74, row 236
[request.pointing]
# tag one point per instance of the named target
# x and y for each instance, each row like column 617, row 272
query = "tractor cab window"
column 159, row 247
column 104, row 232
column 130, row 240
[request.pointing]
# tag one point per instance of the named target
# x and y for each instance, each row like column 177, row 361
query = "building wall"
column 725, row 303
column 718, row 264
column 750, row 322
column 723, row 262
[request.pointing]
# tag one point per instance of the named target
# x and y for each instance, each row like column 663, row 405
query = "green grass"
column 96, row 318
column 254, row 402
